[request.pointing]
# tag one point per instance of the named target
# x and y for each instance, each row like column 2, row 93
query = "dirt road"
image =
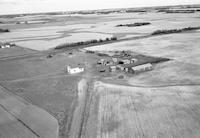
column 76, row 126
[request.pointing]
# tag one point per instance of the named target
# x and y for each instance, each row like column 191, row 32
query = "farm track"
column 80, row 112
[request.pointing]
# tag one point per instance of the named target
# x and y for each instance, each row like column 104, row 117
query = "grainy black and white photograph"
column 99, row 68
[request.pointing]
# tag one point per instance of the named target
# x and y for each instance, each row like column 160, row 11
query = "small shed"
column 114, row 59
column 109, row 63
column 112, row 68
column 121, row 67
column 124, row 61
column 134, row 60
column 101, row 61
column 102, row 69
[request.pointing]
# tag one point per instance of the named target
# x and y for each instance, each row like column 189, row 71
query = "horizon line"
column 57, row 11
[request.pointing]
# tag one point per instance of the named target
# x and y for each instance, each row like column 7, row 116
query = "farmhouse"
column 74, row 70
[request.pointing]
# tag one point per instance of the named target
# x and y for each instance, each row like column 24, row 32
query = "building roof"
column 113, row 66
column 142, row 66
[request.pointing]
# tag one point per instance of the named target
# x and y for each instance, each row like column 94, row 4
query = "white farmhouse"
column 74, row 70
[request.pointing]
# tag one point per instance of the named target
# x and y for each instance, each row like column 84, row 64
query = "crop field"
column 122, row 111
column 45, row 36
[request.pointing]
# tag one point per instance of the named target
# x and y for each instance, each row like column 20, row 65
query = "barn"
column 143, row 67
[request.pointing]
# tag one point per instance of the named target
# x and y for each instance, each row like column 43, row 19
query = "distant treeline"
column 110, row 11
column 4, row 30
column 133, row 24
column 95, row 41
column 130, row 11
column 179, row 11
column 174, row 30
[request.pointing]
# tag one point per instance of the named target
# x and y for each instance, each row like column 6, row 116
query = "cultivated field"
column 147, row 112
column 77, row 28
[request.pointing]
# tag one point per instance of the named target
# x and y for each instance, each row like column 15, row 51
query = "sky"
column 31, row 6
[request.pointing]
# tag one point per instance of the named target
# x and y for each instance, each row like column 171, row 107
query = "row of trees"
column 85, row 42
column 179, row 11
column 174, row 30
column 4, row 30
column 134, row 24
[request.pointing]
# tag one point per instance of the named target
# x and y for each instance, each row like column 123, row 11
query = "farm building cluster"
column 124, row 63
column 6, row 45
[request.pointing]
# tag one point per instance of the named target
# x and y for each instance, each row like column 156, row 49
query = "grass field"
column 44, row 83
column 21, row 119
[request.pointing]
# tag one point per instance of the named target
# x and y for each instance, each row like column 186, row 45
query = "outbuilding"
column 143, row 67
column 134, row 60
column 115, row 60
column 113, row 68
